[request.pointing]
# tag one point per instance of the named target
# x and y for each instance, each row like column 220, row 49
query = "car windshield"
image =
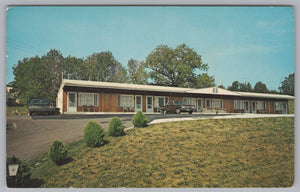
column 40, row 101
column 179, row 103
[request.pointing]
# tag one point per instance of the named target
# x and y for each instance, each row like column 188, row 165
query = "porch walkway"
column 229, row 116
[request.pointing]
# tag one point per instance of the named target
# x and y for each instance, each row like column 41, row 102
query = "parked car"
column 177, row 107
column 41, row 106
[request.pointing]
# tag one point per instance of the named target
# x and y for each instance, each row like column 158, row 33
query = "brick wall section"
column 65, row 101
column 228, row 104
column 108, row 102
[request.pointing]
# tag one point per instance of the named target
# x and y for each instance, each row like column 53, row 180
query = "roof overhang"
column 155, row 88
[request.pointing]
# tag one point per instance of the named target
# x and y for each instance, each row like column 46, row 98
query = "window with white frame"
column 125, row 100
column 278, row 106
column 88, row 99
column 160, row 101
column 260, row 105
column 239, row 104
column 217, row 103
column 190, row 101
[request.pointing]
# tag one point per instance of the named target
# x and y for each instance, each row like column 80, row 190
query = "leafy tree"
column 31, row 79
column 237, row 86
column 273, row 91
column 221, row 86
column 53, row 61
column 74, row 68
column 288, row 85
column 178, row 67
column 104, row 67
column 234, row 86
column 260, row 87
column 136, row 72
column 249, row 87
column 202, row 80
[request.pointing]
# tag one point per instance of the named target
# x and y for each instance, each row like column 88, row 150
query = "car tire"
column 190, row 112
column 178, row 111
column 30, row 113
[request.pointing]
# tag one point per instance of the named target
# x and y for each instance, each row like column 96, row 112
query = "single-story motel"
column 91, row 96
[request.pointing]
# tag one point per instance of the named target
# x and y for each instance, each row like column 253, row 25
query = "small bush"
column 115, row 127
column 139, row 120
column 93, row 134
column 58, row 153
column 23, row 174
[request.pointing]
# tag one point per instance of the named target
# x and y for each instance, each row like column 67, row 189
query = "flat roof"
column 156, row 88
column 265, row 95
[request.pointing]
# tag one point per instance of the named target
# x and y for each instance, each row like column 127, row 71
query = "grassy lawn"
column 22, row 110
column 204, row 153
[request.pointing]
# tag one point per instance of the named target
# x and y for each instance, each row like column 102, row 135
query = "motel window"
column 207, row 103
column 88, row 99
column 239, row 104
column 190, row 101
column 278, row 106
column 125, row 100
column 260, row 105
column 217, row 103
column 160, row 101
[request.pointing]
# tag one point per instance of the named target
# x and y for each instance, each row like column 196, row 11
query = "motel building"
column 76, row 96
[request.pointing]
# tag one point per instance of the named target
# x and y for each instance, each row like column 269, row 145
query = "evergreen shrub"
column 58, row 153
column 93, row 134
column 139, row 120
column 115, row 127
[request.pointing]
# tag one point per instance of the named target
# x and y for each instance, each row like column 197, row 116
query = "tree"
column 178, row 67
column 234, row 86
column 75, row 68
column 237, row 86
column 31, row 79
column 203, row 80
column 221, row 86
column 53, row 61
column 260, row 87
column 136, row 72
column 288, row 85
column 104, row 67
column 249, row 87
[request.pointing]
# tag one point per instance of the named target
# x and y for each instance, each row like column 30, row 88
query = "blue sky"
column 239, row 43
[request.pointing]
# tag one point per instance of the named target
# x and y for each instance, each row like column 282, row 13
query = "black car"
column 41, row 106
column 177, row 107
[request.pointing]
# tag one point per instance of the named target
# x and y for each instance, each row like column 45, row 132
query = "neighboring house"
column 92, row 96
column 11, row 97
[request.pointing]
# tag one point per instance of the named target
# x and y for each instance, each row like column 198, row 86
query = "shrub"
column 115, row 127
column 93, row 134
column 58, row 153
column 139, row 120
column 23, row 174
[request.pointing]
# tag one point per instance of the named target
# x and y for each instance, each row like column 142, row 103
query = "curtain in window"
column 125, row 100
column 239, row 104
column 216, row 103
column 260, row 105
column 190, row 101
column 277, row 106
column 88, row 99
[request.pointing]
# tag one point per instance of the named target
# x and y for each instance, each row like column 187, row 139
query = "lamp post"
column 13, row 166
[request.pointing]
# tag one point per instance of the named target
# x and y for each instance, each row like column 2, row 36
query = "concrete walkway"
column 231, row 116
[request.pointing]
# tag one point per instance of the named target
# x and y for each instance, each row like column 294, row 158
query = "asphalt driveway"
column 28, row 137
